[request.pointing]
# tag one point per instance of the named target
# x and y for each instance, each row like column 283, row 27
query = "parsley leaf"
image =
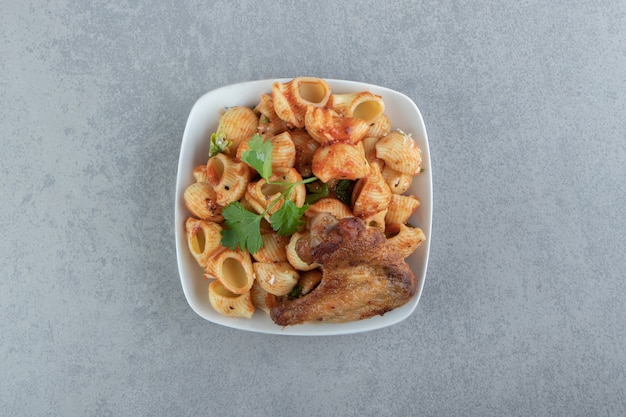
column 259, row 155
column 315, row 192
column 288, row 220
column 343, row 190
column 218, row 144
column 295, row 292
column 243, row 228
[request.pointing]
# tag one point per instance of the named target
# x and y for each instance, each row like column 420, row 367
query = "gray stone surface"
column 524, row 307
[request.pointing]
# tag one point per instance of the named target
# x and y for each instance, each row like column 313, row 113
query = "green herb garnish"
column 259, row 156
column 343, row 190
column 243, row 227
column 295, row 292
column 315, row 192
column 218, row 144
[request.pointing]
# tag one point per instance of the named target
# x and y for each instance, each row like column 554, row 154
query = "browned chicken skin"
column 363, row 275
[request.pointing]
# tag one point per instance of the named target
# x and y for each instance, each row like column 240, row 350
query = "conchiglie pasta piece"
column 269, row 122
column 228, row 303
column 369, row 148
column 326, row 126
column 236, row 124
column 203, row 239
column 309, row 280
column 400, row 153
column 401, row 208
column 379, row 127
column 201, row 200
column 305, row 149
column 340, row 161
column 273, row 249
column 375, row 219
column 233, row 268
column 292, row 254
column 328, row 205
column 398, row 182
column 405, row 239
column 361, row 105
column 228, row 177
column 371, row 194
column 283, row 151
column 261, row 299
column 291, row 99
column 261, row 194
column 199, row 173
column 276, row 278
column 265, row 106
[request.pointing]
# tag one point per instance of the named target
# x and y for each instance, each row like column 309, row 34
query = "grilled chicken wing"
column 363, row 274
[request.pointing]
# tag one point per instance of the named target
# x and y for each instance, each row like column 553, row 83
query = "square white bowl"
column 202, row 121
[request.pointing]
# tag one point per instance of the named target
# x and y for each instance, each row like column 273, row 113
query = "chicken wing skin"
column 363, row 275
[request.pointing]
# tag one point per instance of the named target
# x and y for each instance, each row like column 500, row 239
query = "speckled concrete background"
column 524, row 307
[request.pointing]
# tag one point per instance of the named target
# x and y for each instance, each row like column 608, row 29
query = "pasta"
column 269, row 122
column 379, row 127
column 228, row 303
column 261, row 194
column 233, row 268
column 203, row 239
column 361, row 105
column 399, row 153
column 371, row 194
column 292, row 99
column 273, row 249
column 283, row 152
column 398, row 182
column 305, row 149
column 401, row 208
column 277, row 278
column 406, row 239
column 260, row 298
column 329, row 205
column 201, row 200
column 340, row 161
column 340, row 142
column 228, row 177
column 292, row 255
column 199, row 173
column 237, row 124
column 326, row 126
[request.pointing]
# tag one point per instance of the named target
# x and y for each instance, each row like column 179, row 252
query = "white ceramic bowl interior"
column 202, row 121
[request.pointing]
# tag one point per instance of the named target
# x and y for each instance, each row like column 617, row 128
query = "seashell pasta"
column 401, row 208
column 228, row 303
column 228, row 177
column 292, row 253
column 233, row 268
column 400, row 153
column 292, row 99
column 371, row 194
column 203, row 239
column 361, row 105
column 277, row 278
column 201, row 200
column 236, row 124
column 340, row 161
column 326, row 126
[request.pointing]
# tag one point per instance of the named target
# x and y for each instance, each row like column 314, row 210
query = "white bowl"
column 202, row 121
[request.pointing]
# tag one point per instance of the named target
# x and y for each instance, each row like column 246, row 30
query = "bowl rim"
column 310, row 329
